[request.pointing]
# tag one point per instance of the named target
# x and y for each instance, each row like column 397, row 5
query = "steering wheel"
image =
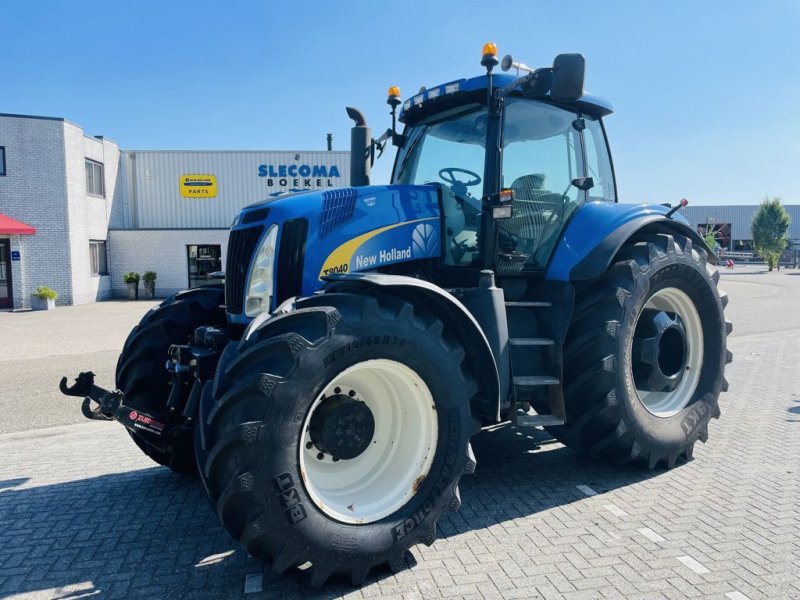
column 451, row 178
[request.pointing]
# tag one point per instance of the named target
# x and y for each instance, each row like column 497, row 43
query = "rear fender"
column 598, row 231
column 456, row 319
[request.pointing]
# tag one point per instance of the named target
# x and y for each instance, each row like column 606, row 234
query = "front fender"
column 456, row 318
column 598, row 231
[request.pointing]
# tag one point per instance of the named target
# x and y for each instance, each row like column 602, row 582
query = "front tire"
column 141, row 373
column 337, row 434
column 645, row 355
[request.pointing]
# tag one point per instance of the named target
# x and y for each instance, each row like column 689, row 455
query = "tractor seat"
column 533, row 208
column 528, row 186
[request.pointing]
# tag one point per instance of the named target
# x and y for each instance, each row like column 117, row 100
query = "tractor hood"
column 344, row 230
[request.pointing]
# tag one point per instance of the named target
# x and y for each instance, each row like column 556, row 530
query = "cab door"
column 542, row 156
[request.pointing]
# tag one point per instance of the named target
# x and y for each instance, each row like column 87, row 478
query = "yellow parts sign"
column 198, row 186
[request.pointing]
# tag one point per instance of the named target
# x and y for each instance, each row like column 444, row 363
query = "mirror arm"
column 523, row 81
column 520, row 82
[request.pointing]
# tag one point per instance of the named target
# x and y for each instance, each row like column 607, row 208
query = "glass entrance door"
column 204, row 260
column 6, row 298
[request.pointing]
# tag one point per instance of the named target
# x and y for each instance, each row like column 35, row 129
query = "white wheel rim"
column 386, row 475
column 668, row 404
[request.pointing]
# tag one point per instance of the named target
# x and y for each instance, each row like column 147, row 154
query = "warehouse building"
column 77, row 213
column 731, row 224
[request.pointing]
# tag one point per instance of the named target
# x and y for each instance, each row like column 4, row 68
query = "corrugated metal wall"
column 739, row 217
column 152, row 183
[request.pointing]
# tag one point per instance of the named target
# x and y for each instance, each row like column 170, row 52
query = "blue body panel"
column 357, row 229
column 591, row 224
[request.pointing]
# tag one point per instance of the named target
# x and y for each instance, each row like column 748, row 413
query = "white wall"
column 34, row 192
column 89, row 216
column 161, row 250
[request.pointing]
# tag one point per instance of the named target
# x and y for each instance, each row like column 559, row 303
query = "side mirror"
column 568, row 71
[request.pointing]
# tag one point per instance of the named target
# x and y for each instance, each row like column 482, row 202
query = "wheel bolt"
column 309, row 445
column 335, row 459
column 352, row 393
column 337, row 390
column 320, row 456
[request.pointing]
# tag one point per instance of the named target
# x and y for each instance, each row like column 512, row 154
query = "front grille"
column 241, row 246
column 337, row 208
column 291, row 256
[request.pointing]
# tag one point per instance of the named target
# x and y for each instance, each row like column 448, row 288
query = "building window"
column 97, row 256
column 203, row 261
column 2, row 160
column 94, row 179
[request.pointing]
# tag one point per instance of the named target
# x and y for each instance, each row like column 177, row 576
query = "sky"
column 705, row 94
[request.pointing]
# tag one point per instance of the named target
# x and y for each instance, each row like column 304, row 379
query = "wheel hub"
column 342, row 426
column 392, row 443
column 660, row 351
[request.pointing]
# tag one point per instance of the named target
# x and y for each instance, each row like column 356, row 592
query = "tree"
column 769, row 227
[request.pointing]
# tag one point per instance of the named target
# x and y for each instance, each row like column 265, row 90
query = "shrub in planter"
column 44, row 298
column 132, row 279
column 149, row 278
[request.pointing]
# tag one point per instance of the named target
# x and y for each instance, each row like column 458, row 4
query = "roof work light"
column 489, row 55
column 393, row 98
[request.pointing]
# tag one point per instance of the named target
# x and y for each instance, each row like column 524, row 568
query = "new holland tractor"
column 326, row 395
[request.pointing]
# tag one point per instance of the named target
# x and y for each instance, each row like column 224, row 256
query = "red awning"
column 14, row 227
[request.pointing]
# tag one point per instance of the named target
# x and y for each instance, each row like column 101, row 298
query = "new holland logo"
column 198, row 186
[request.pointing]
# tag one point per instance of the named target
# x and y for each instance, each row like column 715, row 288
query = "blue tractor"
column 327, row 394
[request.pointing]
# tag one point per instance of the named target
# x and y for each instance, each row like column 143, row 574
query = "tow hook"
column 189, row 365
column 153, row 428
column 108, row 402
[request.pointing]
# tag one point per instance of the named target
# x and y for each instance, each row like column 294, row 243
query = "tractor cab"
column 516, row 162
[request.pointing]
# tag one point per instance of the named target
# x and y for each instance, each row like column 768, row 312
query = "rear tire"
column 614, row 411
column 141, row 373
column 276, row 487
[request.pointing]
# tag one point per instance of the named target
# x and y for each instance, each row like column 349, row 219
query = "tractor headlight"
column 259, row 288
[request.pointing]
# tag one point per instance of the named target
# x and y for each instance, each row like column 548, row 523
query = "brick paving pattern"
column 83, row 513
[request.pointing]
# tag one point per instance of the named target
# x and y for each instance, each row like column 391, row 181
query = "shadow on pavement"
column 146, row 533
column 151, row 533
column 728, row 272
column 12, row 483
column 522, row 472
column 794, row 410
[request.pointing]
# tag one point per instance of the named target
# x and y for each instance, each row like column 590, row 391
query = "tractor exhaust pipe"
column 360, row 149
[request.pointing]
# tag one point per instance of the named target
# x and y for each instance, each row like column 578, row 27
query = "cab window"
column 598, row 162
column 447, row 150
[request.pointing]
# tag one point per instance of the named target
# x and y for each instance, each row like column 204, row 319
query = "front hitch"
column 108, row 402
column 190, row 364
column 110, row 407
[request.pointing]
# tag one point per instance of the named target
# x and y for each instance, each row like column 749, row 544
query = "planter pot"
column 133, row 291
column 149, row 290
column 42, row 303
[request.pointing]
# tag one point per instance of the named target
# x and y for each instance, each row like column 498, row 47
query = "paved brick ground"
column 83, row 513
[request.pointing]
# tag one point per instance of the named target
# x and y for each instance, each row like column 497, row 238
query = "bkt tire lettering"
column 289, row 498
